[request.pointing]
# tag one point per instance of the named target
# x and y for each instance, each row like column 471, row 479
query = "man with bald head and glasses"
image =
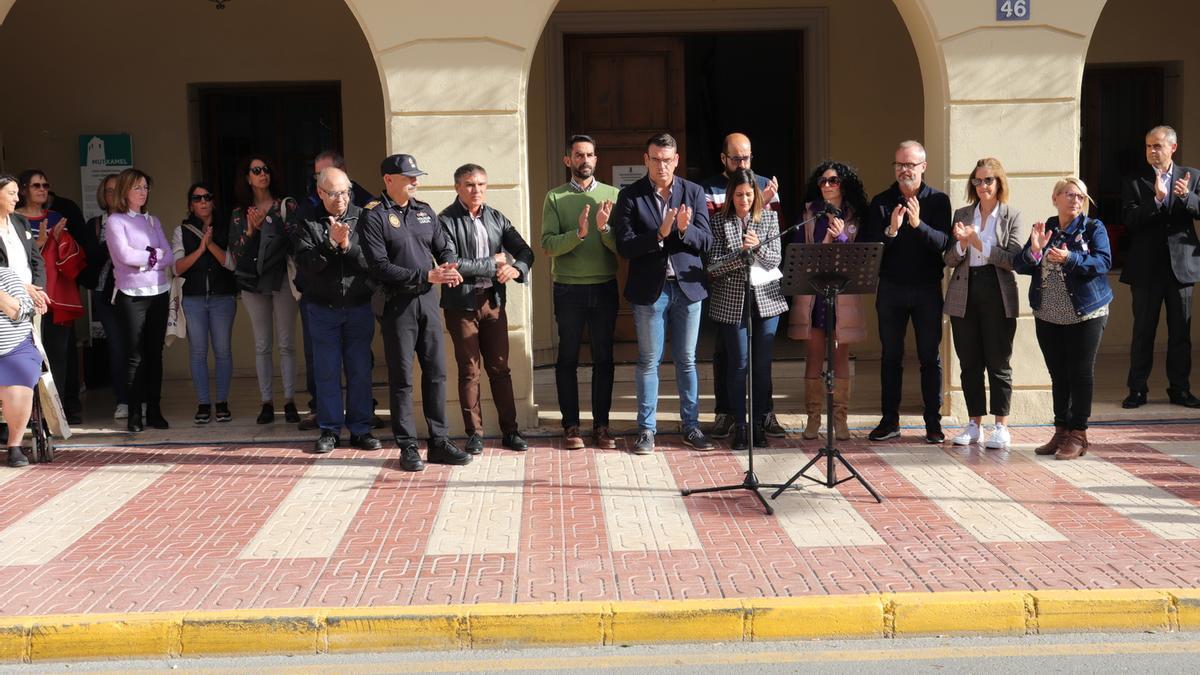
column 331, row 262
column 912, row 220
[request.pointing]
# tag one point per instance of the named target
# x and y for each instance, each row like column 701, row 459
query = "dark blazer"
column 35, row 256
column 1011, row 234
column 456, row 224
column 1151, row 228
column 636, row 217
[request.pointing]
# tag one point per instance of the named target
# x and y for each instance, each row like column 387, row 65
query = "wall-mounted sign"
column 1012, row 10
column 100, row 155
column 625, row 175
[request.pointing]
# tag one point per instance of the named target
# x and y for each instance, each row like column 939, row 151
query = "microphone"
column 831, row 210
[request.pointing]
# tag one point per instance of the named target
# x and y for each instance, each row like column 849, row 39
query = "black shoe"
column 475, row 444
column 133, row 423
column 1182, row 397
column 267, row 414
column 1137, row 399
column 290, row 414
column 514, row 442
column 74, row 418
column 223, row 414
column 773, row 428
column 722, row 426
column 203, row 414
column 444, row 451
column 740, row 440
column 327, row 442
column 885, row 431
column 759, row 436
column 934, row 435
column 410, row 457
column 378, row 422
column 155, row 419
column 695, row 438
column 308, row 423
column 16, row 458
column 365, row 442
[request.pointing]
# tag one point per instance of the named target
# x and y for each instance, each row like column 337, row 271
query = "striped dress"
column 14, row 332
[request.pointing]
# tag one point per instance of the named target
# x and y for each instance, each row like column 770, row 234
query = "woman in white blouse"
column 982, row 300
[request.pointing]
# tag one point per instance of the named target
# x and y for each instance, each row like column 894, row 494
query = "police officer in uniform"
column 408, row 255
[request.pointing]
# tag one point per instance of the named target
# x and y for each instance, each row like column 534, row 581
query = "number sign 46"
column 1012, row 10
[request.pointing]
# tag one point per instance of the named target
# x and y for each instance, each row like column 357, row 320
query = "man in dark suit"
column 1160, row 207
column 662, row 228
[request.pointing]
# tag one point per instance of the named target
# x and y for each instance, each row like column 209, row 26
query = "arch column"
column 454, row 79
column 1009, row 90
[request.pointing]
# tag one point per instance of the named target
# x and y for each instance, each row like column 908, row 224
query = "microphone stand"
column 750, row 482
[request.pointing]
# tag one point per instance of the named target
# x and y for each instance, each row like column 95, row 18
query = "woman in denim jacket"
column 1069, row 258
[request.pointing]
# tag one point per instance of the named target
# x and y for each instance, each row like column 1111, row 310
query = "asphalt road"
column 1115, row 653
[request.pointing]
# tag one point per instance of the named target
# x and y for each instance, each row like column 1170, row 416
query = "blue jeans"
column 210, row 318
column 734, row 341
column 675, row 312
column 341, row 337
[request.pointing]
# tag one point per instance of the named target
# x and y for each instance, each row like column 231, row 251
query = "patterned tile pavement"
column 121, row 529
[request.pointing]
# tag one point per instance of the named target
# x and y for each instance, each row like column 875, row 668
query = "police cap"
column 402, row 164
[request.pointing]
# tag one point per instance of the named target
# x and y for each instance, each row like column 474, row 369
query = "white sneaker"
column 969, row 435
column 999, row 438
column 122, row 411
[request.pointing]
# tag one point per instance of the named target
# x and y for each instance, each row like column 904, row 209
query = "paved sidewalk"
column 139, row 529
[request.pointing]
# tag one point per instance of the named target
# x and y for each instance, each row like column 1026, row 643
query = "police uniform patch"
column 394, row 220
column 424, row 219
column 371, row 204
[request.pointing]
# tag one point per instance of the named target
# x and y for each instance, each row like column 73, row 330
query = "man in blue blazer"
column 662, row 228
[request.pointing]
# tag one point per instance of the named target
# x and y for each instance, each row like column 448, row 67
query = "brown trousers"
column 481, row 343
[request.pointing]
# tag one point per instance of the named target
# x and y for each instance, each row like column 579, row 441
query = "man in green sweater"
column 576, row 235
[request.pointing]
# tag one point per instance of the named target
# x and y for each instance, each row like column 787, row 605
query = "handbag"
column 176, row 319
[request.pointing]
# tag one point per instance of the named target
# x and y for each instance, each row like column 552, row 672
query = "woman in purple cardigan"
column 141, row 256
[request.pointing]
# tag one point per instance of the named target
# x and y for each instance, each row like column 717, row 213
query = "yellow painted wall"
column 125, row 66
column 864, row 128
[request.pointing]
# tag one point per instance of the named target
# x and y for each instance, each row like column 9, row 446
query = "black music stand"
column 829, row 271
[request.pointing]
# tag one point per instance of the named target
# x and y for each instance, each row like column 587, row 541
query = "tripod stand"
column 830, row 271
column 750, row 482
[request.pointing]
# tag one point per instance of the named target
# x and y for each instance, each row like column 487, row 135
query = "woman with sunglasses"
column 981, row 299
column 836, row 200
column 201, row 258
column 1069, row 258
column 741, row 223
column 64, row 260
column 141, row 257
column 259, row 244
column 98, row 277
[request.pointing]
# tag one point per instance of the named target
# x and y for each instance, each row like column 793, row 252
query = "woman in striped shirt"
column 20, row 360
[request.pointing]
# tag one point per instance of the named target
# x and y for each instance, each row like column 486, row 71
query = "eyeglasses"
column 260, row 170
column 196, row 199
column 906, row 166
column 738, row 159
column 340, row 194
column 986, row 180
column 1075, row 196
column 38, row 186
column 140, row 188
column 831, row 181
column 664, row 161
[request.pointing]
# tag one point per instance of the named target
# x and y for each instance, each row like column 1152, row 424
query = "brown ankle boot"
column 814, row 400
column 1052, row 445
column 841, row 402
column 1074, row 447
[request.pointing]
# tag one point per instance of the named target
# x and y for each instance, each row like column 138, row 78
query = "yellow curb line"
column 322, row 630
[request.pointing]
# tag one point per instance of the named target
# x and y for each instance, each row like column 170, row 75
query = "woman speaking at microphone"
column 741, row 224
column 835, row 197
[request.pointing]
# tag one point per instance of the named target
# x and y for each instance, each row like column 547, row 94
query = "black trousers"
column 1149, row 297
column 896, row 305
column 579, row 306
column 983, row 340
column 1070, row 353
column 59, row 343
column 720, row 368
column 143, row 321
column 414, row 324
